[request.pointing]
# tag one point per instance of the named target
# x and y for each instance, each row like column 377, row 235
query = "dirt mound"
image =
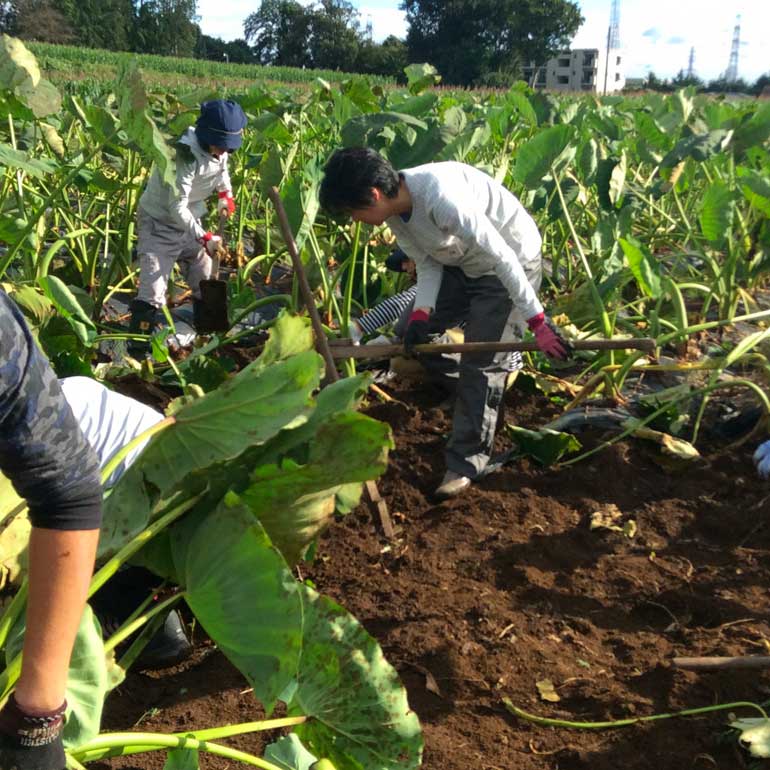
column 484, row 596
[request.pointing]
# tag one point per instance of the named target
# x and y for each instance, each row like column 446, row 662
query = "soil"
column 483, row 597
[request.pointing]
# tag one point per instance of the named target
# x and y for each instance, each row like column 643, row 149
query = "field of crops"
column 64, row 62
column 655, row 216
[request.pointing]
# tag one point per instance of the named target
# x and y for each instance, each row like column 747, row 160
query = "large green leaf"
column 300, row 199
column 18, row 159
column 295, row 501
column 239, row 587
column 244, row 412
column 716, row 212
column 643, row 265
column 365, row 129
column 421, row 76
column 753, row 132
column 547, row 446
column 700, row 147
column 756, row 188
column 469, row 141
column 361, row 718
column 66, row 303
column 524, row 107
column 535, row 158
column 288, row 753
column 133, row 108
column 587, row 160
column 236, row 475
column 20, row 74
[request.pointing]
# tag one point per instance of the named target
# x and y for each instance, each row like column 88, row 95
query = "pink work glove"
column 548, row 338
column 226, row 203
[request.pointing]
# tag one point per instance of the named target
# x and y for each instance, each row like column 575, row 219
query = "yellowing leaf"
column 547, row 691
column 755, row 735
column 608, row 517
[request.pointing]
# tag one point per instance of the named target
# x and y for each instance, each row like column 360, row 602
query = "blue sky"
column 655, row 34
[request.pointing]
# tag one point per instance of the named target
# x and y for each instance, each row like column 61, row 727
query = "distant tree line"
column 470, row 42
column 716, row 86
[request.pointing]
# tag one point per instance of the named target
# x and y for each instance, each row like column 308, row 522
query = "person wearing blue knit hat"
column 169, row 225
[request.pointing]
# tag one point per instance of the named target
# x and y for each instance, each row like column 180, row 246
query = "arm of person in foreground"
column 44, row 454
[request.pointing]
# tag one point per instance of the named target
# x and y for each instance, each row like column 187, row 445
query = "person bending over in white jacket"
column 169, row 222
column 471, row 239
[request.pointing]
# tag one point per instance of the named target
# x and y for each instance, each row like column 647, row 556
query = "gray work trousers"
column 487, row 309
column 160, row 247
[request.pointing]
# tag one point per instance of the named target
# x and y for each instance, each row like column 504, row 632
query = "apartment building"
column 582, row 69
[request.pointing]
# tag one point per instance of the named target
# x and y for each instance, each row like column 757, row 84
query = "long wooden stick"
column 717, row 664
column 385, row 351
column 304, row 287
column 322, row 343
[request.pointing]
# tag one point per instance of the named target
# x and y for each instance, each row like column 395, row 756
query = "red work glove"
column 211, row 243
column 226, row 203
column 548, row 337
column 416, row 331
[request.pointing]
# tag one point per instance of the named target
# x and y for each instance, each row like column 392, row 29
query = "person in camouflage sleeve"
column 49, row 462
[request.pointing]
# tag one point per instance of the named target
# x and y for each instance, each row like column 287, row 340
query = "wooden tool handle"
column 718, row 664
column 322, row 344
column 385, row 351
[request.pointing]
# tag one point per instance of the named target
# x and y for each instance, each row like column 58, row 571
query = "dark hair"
column 349, row 177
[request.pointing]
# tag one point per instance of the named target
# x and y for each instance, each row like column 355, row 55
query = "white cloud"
column 225, row 20
column 657, row 35
column 385, row 21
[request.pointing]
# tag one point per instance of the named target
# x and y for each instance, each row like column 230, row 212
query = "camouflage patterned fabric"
column 42, row 449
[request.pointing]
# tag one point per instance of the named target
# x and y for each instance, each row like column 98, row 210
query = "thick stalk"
column 597, row 298
column 47, row 201
column 548, row 722
column 156, row 741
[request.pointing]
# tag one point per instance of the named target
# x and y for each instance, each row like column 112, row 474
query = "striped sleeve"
column 387, row 312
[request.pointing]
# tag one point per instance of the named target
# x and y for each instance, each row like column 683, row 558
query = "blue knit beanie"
column 221, row 124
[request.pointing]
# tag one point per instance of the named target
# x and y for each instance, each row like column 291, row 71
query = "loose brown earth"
column 484, row 596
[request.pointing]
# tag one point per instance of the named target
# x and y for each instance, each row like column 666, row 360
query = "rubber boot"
column 118, row 599
column 144, row 320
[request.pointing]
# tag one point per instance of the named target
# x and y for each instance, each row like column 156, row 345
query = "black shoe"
column 168, row 647
column 119, row 598
column 144, row 320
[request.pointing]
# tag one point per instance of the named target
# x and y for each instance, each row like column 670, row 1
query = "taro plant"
column 224, row 500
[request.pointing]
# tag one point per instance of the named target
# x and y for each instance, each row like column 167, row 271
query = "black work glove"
column 416, row 331
column 31, row 741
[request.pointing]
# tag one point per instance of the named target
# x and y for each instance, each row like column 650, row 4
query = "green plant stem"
column 32, row 223
column 284, row 299
column 144, row 537
column 10, row 675
column 636, row 424
column 210, row 734
column 157, row 741
column 597, row 298
column 13, row 611
column 124, row 451
column 548, row 722
column 126, row 630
